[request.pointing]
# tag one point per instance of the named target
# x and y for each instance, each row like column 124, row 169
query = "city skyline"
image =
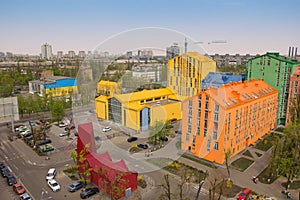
column 253, row 27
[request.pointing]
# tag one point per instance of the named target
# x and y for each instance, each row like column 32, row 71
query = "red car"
column 18, row 188
column 244, row 195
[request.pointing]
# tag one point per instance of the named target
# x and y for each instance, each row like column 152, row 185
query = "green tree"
column 57, row 110
column 227, row 155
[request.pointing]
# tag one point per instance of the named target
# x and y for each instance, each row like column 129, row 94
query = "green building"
column 275, row 70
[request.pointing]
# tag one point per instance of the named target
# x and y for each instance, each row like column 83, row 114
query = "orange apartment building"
column 233, row 117
column 294, row 89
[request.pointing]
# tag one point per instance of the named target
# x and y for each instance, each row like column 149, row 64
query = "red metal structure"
column 113, row 178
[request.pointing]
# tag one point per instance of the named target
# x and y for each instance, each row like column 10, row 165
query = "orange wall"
column 244, row 130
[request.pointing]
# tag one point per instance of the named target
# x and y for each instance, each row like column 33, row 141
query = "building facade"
column 231, row 117
column 186, row 72
column 108, row 88
column 46, row 51
column 105, row 173
column 53, row 86
column 275, row 70
column 139, row 110
column 294, row 92
column 218, row 79
column 172, row 51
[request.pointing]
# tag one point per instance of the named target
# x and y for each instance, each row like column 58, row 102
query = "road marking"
column 16, row 167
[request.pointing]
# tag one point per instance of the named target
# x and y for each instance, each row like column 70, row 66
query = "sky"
column 248, row 26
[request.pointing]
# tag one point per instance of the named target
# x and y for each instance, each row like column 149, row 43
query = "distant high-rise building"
column 46, row 50
column 81, row 54
column 146, row 54
column 2, row 54
column 59, row 55
column 9, row 54
column 172, row 51
column 71, row 54
column 129, row 54
column 106, row 54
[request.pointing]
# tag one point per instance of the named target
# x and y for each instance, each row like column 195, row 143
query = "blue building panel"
column 218, row 79
column 67, row 82
column 144, row 119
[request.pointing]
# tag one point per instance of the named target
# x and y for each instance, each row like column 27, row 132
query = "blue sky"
column 248, row 26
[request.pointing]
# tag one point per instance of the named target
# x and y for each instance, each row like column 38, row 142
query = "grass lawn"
column 242, row 164
column 280, row 129
column 265, row 144
column 196, row 175
column 264, row 176
column 71, row 172
column 178, row 145
column 293, row 186
column 229, row 192
column 247, row 153
column 199, row 161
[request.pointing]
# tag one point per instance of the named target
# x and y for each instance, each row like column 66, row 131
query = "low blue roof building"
column 217, row 79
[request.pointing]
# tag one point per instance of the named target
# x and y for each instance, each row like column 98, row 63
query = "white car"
column 51, row 174
column 26, row 132
column 63, row 134
column 53, row 185
column 25, row 196
column 106, row 129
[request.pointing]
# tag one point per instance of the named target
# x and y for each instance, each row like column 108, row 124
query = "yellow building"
column 139, row 110
column 55, row 86
column 186, row 72
column 108, row 88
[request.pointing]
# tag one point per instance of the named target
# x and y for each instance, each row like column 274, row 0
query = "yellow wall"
column 165, row 112
column 101, row 108
column 63, row 91
column 132, row 119
column 108, row 88
column 186, row 72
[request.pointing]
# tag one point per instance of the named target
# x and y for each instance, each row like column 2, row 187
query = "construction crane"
column 212, row 42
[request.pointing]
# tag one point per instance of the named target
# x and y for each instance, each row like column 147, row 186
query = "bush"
column 134, row 149
column 142, row 183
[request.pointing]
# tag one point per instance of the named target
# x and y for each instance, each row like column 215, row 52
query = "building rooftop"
column 217, row 79
column 276, row 56
column 197, row 56
column 236, row 93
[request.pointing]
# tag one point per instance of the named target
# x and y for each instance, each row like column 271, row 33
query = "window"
column 216, row 146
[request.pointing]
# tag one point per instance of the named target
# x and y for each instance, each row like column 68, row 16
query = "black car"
column 75, row 186
column 143, row 146
column 42, row 142
column 11, row 180
column 88, row 192
column 132, row 139
column 5, row 172
column 165, row 139
column 2, row 165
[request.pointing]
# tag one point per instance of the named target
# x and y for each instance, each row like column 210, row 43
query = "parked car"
column 244, row 195
column 53, row 185
column 165, row 139
column 62, row 134
column 106, row 129
column 132, row 139
column 18, row 188
column 11, row 180
column 51, row 174
column 5, row 172
column 31, row 123
column 76, row 133
column 2, row 165
column 42, row 142
column 19, row 127
column 143, row 146
column 61, row 124
column 75, row 186
column 25, row 196
column 22, row 128
column 46, row 148
column 26, row 134
column 89, row 192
